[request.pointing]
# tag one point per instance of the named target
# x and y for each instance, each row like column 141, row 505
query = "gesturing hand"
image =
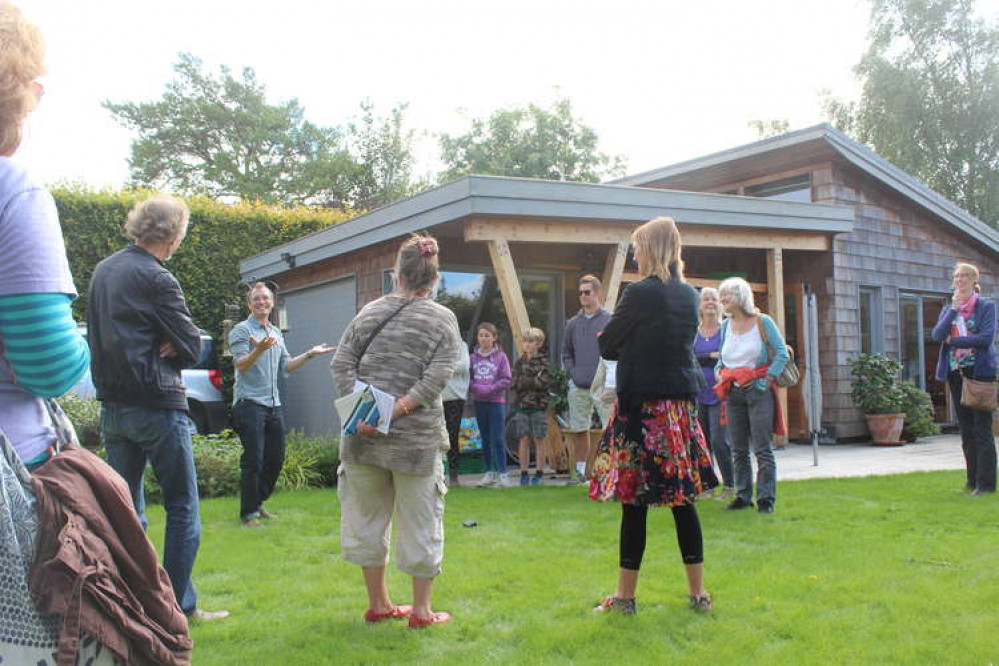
column 321, row 349
column 263, row 344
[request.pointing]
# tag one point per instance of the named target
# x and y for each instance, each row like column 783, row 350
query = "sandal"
column 397, row 612
column 701, row 604
column 623, row 606
column 416, row 622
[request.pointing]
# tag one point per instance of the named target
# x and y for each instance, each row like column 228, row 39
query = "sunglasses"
column 585, row 292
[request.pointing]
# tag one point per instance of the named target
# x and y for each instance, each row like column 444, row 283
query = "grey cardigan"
column 413, row 355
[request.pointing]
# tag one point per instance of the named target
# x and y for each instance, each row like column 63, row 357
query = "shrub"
column 85, row 415
column 876, row 387
column 918, row 408
column 310, row 461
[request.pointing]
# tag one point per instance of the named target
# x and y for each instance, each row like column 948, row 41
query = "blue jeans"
column 750, row 414
column 490, row 417
column 261, row 431
column 134, row 435
column 717, row 435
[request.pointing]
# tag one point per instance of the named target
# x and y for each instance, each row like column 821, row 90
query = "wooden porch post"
column 612, row 274
column 775, row 306
column 513, row 297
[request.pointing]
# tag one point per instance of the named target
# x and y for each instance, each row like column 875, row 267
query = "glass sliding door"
column 918, row 351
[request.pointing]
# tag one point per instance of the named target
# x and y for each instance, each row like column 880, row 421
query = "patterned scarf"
column 959, row 328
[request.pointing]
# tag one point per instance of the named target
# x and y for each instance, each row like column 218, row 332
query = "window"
column 872, row 338
column 386, row 282
column 795, row 188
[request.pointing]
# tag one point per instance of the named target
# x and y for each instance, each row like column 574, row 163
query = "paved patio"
column 796, row 461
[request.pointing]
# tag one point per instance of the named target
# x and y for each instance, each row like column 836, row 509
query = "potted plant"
column 878, row 392
column 918, row 413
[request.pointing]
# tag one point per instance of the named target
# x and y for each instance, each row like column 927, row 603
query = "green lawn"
column 888, row 570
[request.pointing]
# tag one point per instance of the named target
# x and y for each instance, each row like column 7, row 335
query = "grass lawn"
column 886, row 570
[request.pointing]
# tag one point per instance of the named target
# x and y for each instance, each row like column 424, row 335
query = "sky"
column 660, row 82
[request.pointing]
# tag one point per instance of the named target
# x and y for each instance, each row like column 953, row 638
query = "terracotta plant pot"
column 886, row 429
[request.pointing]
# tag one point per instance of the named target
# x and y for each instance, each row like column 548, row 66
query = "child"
column 490, row 378
column 530, row 381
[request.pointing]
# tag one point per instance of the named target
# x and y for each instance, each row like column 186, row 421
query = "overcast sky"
column 660, row 81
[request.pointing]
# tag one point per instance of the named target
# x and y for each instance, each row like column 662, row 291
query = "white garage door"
column 316, row 314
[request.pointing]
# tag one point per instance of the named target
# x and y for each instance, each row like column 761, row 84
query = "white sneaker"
column 488, row 480
column 504, row 480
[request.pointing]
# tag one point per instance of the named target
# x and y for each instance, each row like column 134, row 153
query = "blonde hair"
column 417, row 265
column 741, row 293
column 970, row 268
column 592, row 280
column 700, row 299
column 488, row 326
column 534, row 335
column 159, row 219
column 21, row 62
column 659, row 241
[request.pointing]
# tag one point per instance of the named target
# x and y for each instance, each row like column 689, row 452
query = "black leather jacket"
column 651, row 335
column 135, row 305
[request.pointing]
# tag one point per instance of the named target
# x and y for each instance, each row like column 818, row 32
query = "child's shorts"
column 529, row 424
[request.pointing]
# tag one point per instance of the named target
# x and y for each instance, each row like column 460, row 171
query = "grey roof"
column 855, row 153
column 501, row 197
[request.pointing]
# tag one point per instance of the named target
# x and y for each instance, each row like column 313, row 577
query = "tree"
column 219, row 136
column 930, row 98
column 768, row 128
column 533, row 143
column 383, row 150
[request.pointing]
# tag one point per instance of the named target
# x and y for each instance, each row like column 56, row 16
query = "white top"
column 742, row 350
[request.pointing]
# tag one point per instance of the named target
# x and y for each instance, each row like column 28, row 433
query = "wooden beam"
column 775, row 301
column 535, row 231
column 513, row 297
column 612, row 274
column 762, row 239
column 532, row 231
column 756, row 287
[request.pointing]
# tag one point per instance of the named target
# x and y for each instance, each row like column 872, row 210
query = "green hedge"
column 207, row 264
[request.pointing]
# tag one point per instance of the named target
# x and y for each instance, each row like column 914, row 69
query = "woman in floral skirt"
column 652, row 452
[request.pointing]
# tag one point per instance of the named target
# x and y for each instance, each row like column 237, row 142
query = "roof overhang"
column 853, row 152
column 509, row 199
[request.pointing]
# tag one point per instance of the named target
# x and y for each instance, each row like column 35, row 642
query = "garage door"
column 317, row 314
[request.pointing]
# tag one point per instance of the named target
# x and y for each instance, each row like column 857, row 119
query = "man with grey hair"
column 141, row 336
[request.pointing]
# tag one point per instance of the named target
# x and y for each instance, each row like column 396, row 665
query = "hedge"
column 207, row 264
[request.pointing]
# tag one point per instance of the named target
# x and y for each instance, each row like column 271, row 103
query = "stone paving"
column 796, row 461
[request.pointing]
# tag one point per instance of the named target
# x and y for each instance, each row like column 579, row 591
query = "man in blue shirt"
column 260, row 356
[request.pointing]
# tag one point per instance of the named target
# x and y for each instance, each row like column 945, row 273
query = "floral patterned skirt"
column 654, row 455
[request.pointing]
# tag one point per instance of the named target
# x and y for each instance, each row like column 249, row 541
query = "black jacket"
column 134, row 305
column 651, row 334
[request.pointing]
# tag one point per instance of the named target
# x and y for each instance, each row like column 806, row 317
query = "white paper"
column 610, row 378
column 385, row 403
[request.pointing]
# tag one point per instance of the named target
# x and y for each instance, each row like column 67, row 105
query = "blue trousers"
column 490, row 417
column 136, row 435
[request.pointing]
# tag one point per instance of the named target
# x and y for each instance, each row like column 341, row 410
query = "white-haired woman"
column 707, row 348
column 753, row 354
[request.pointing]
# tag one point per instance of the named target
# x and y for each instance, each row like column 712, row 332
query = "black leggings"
column 688, row 534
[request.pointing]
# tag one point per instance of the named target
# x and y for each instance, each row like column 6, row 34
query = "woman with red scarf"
column 967, row 329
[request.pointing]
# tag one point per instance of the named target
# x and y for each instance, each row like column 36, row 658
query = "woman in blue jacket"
column 967, row 329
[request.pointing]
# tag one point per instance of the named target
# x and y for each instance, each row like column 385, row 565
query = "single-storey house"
column 808, row 210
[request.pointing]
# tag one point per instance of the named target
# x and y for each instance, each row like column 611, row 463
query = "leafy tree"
column 768, row 128
column 217, row 135
column 930, row 100
column 383, row 150
column 534, row 142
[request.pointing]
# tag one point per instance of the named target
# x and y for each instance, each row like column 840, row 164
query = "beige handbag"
column 980, row 396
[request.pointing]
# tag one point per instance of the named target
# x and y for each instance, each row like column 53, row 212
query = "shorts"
column 529, row 424
column 582, row 402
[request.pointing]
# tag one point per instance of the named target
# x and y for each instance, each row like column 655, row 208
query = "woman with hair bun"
column 967, row 329
column 653, row 452
column 407, row 345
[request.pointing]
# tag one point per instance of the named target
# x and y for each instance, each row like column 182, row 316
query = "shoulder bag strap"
column 378, row 329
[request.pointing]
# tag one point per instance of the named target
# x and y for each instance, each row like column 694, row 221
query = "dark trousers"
column 632, row 544
column 261, row 431
column 453, row 410
column 977, row 441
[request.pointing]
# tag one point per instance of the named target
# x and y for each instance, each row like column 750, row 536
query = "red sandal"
column 397, row 612
column 435, row 618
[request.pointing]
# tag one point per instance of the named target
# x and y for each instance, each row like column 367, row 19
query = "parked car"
column 206, row 408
